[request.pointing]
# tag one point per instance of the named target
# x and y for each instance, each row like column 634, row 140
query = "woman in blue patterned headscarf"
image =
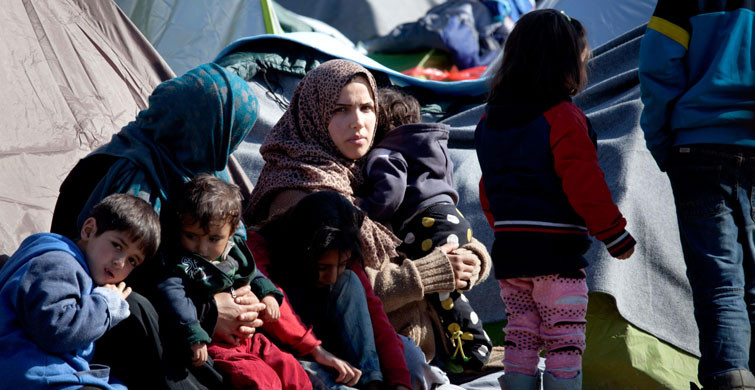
column 192, row 125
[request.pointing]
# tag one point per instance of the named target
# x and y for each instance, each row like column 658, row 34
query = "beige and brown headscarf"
column 300, row 155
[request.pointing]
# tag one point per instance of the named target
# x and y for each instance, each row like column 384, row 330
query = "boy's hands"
column 626, row 254
column 272, row 310
column 347, row 374
column 120, row 288
column 199, row 354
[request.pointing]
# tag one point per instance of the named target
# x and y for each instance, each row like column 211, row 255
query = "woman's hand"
column 199, row 354
column 120, row 288
column 347, row 374
column 237, row 317
column 464, row 265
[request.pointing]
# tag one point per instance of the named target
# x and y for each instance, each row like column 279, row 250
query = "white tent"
column 74, row 72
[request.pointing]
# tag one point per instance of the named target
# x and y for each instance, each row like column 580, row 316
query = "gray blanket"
column 650, row 289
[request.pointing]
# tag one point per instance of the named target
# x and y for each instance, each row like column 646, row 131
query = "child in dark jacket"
column 543, row 192
column 412, row 190
column 211, row 259
column 58, row 296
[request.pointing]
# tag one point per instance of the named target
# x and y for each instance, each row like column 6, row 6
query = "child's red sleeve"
column 389, row 346
column 575, row 160
column 485, row 204
column 289, row 330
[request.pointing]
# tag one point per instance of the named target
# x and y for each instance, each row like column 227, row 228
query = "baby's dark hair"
column 542, row 59
column 395, row 108
column 131, row 215
column 207, row 199
column 298, row 238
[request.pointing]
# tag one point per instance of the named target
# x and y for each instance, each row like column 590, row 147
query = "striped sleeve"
column 575, row 160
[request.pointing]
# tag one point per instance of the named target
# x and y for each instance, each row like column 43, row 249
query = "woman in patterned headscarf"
column 317, row 145
column 192, row 125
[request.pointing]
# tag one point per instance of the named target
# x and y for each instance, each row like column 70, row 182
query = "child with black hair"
column 412, row 190
column 211, row 259
column 315, row 256
column 58, row 296
column 544, row 192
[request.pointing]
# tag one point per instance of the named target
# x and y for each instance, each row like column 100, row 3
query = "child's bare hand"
column 347, row 374
column 120, row 288
column 272, row 310
column 199, row 354
column 448, row 247
column 464, row 265
column 626, row 254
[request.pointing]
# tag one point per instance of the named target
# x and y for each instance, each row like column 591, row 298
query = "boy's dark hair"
column 298, row 238
column 131, row 215
column 542, row 59
column 207, row 199
column 395, row 108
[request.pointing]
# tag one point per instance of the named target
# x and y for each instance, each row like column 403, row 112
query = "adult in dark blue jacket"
column 697, row 78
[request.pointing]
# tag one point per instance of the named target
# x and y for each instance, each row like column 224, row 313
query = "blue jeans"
column 713, row 191
column 345, row 329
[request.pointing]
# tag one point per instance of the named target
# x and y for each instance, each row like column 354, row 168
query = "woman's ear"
column 89, row 229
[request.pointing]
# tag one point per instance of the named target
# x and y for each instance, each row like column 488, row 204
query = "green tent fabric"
column 621, row 356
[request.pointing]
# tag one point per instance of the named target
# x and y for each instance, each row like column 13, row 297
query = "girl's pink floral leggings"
column 545, row 313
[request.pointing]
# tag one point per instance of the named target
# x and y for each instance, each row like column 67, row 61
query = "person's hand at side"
column 199, row 354
column 237, row 317
column 347, row 374
column 272, row 310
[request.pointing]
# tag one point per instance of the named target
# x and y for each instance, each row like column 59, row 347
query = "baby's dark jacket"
column 190, row 278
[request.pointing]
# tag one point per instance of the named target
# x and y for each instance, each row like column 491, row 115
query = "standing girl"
column 543, row 192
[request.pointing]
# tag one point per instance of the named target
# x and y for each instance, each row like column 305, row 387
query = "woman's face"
column 331, row 266
column 352, row 125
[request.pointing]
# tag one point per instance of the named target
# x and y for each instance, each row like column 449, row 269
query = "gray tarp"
column 74, row 72
column 605, row 19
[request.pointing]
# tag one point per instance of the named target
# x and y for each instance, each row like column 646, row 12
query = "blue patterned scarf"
column 192, row 125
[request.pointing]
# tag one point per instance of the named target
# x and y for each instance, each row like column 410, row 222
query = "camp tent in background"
column 189, row 33
column 75, row 71
column 78, row 70
column 605, row 19
column 364, row 19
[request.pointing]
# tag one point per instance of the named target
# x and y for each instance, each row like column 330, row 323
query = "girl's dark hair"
column 395, row 108
column 542, row 59
column 298, row 238
column 207, row 199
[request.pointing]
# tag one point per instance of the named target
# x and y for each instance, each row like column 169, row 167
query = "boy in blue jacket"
column 58, row 296
column 698, row 89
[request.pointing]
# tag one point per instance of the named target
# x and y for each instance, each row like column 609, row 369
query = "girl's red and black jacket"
column 542, row 189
